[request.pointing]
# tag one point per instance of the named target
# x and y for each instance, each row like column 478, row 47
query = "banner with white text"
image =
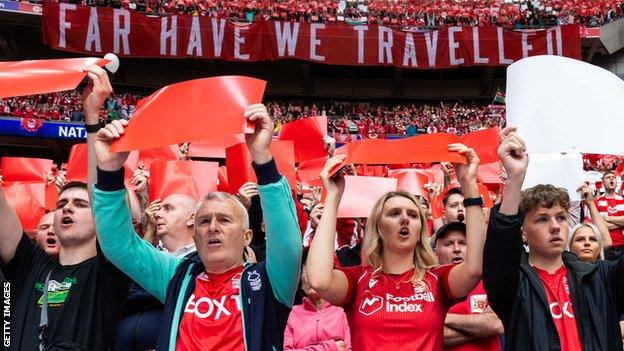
column 98, row 30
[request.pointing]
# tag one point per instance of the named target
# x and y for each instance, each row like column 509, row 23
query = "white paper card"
column 560, row 104
column 560, row 170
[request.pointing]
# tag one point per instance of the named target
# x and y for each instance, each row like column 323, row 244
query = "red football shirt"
column 212, row 319
column 476, row 302
column 560, row 303
column 612, row 206
column 388, row 312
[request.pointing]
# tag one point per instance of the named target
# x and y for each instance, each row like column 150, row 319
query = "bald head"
column 175, row 216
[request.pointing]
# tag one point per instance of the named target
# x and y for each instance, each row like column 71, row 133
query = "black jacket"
column 517, row 296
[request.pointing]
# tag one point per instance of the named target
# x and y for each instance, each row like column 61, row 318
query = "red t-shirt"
column 212, row 319
column 560, row 303
column 476, row 302
column 388, row 312
column 612, row 206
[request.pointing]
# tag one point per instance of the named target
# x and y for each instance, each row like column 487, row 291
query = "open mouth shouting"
column 66, row 221
column 404, row 232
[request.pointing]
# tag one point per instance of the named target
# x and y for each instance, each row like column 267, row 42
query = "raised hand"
column 335, row 184
column 587, row 195
column 512, row 153
column 96, row 92
column 315, row 215
column 60, row 180
column 139, row 180
column 259, row 142
column 246, row 192
column 107, row 160
column 150, row 212
column 467, row 174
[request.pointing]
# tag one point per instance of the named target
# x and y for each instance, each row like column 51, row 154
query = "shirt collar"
column 183, row 251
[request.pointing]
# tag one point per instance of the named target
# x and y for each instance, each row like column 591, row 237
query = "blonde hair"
column 424, row 257
column 575, row 230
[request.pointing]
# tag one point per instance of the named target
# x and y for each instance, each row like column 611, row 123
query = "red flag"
column 192, row 110
column 43, row 76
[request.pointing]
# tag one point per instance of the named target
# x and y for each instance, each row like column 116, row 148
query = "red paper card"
column 308, row 171
column 307, row 134
column 22, row 169
column 43, row 76
column 51, row 196
column 240, row 171
column 421, row 149
column 411, row 180
column 77, row 163
column 361, row 193
column 192, row 110
column 489, row 173
column 214, row 148
column 194, row 178
column 223, row 179
column 159, row 154
column 28, row 201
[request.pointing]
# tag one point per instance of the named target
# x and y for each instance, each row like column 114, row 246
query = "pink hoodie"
column 310, row 329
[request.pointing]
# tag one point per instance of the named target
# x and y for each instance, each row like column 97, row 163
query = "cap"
column 445, row 230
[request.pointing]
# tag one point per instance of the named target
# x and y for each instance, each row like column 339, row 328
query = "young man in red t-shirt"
column 547, row 299
column 611, row 207
column 470, row 325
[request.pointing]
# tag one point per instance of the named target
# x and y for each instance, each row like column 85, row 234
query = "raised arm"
column 93, row 97
column 588, row 199
column 503, row 245
column 330, row 283
column 283, row 251
column 465, row 276
column 150, row 268
column 10, row 230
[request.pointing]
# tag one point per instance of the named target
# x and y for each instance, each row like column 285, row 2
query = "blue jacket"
column 267, row 289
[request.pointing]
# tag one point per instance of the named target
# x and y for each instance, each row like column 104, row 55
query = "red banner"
column 99, row 30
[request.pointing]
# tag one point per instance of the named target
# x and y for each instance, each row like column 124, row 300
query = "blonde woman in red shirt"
column 399, row 296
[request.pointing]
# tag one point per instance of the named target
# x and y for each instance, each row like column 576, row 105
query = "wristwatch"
column 473, row 201
column 93, row 128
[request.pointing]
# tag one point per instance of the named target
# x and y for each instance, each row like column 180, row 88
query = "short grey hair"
column 220, row 195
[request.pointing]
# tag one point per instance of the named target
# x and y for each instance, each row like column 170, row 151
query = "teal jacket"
column 154, row 270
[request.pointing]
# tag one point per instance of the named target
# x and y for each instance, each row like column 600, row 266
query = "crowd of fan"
column 436, row 13
column 405, row 13
column 229, row 272
column 372, row 120
column 65, row 106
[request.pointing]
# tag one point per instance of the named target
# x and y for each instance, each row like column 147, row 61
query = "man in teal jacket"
column 216, row 302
